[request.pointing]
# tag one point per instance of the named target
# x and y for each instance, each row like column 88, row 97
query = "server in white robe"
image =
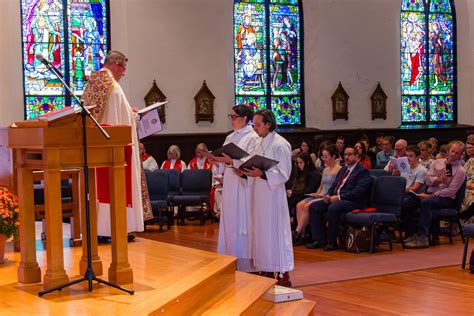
column 111, row 107
column 236, row 223
column 273, row 249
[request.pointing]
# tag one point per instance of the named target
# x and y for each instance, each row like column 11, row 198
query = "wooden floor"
column 440, row 291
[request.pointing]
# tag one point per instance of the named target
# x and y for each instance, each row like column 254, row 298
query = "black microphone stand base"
column 89, row 276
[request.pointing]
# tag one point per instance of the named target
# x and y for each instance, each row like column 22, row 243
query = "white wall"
column 180, row 43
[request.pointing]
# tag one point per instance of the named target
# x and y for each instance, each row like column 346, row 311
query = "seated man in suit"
column 349, row 191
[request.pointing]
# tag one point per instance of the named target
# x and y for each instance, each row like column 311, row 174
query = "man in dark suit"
column 350, row 191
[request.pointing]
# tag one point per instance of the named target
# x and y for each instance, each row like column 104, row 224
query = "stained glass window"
column 268, row 57
column 428, row 61
column 74, row 36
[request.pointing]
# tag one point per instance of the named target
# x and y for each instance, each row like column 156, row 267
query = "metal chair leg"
column 372, row 238
column 464, row 254
column 460, row 230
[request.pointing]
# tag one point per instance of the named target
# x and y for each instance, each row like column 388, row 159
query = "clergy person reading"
column 273, row 252
column 236, row 218
column 112, row 108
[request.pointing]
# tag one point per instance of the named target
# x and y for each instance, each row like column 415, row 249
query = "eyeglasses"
column 233, row 116
column 349, row 154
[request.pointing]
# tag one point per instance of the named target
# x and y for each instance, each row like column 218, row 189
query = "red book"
column 53, row 115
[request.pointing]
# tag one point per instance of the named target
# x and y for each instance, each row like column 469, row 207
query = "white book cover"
column 278, row 294
column 401, row 164
column 151, row 107
column 149, row 124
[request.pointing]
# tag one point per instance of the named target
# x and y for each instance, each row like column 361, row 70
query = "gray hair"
column 174, row 149
column 114, row 56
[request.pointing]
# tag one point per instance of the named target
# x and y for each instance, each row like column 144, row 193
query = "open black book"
column 259, row 162
column 232, row 150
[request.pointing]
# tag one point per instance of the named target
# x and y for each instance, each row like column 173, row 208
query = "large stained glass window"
column 74, row 36
column 428, row 61
column 268, row 58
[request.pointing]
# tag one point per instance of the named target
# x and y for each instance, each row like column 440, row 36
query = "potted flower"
column 9, row 218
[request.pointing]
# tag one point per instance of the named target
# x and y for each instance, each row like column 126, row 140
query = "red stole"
column 102, row 179
column 193, row 164
column 177, row 165
column 145, row 157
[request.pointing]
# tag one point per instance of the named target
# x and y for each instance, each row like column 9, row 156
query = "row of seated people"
column 199, row 162
column 343, row 189
column 376, row 156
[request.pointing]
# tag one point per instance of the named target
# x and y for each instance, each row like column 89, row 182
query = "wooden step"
column 265, row 307
column 238, row 297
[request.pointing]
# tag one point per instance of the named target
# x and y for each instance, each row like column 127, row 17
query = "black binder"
column 232, row 150
column 259, row 162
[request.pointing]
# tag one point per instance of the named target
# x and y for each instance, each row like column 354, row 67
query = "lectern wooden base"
column 54, row 146
column 29, row 274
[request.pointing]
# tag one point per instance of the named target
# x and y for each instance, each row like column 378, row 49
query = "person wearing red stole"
column 200, row 162
column 111, row 107
column 174, row 161
column 149, row 163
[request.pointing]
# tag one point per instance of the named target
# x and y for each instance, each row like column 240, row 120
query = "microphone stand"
column 89, row 274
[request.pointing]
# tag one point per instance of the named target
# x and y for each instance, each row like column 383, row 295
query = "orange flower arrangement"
column 9, row 213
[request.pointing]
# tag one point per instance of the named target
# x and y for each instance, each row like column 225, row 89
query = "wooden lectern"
column 54, row 145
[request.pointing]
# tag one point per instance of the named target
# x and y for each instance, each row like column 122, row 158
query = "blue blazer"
column 357, row 186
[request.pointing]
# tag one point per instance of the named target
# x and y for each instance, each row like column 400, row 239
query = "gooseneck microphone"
column 48, row 64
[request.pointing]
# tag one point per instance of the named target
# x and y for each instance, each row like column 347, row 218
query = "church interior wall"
column 180, row 43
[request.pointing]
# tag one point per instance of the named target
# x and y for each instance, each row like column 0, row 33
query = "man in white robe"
column 236, row 222
column 273, row 249
column 111, row 107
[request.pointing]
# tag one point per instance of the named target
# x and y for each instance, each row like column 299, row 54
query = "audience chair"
column 195, row 190
column 468, row 233
column 379, row 172
column 387, row 198
column 158, row 187
column 174, row 187
column 449, row 215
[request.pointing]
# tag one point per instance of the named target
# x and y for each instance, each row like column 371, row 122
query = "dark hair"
column 331, row 149
column 388, row 139
column 310, row 146
column 340, row 137
column 362, row 156
column 268, row 117
column 356, row 152
column 301, row 176
column 243, row 111
column 415, row 149
column 379, row 134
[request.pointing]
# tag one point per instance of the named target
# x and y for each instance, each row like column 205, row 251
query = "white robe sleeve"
column 278, row 175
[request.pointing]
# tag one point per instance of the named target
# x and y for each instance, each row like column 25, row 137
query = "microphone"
column 48, row 64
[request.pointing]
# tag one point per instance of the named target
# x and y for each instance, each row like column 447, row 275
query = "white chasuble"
column 273, row 249
column 236, row 222
column 117, row 111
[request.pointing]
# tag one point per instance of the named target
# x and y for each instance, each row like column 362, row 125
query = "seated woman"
column 467, row 207
column 306, row 180
column 328, row 156
column 364, row 159
column 174, row 161
column 305, row 147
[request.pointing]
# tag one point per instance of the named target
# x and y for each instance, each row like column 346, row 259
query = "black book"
column 232, row 150
column 259, row 162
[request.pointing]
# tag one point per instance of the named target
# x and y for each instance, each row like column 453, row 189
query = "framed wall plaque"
column 156, row 95
column 379, row 103
column 340, row 102
column 204, row 100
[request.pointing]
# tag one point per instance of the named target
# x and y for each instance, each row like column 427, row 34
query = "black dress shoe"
column 316, row 244
column 330, row 247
